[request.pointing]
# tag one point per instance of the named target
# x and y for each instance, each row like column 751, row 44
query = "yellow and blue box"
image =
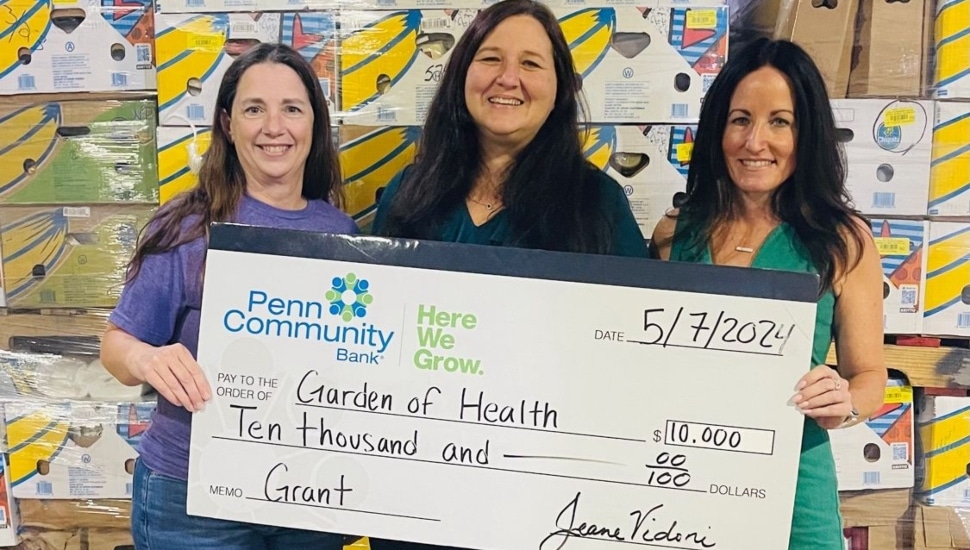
column 74, row 449
column 887, row 143
column 391, row 62
column 67, row 256
column 174, row 175
column 947, row 294
column 369, row 159
column 646, row 65
column 943, row 424
column 950, row 165
column 60, row 149
column 951, row 73
column 650, row 162
column 83, row 46
column 902, row 252
column 878, row 453
column 194, row 52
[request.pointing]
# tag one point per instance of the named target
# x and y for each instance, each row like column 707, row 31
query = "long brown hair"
column 551, row 192
column 222, row 182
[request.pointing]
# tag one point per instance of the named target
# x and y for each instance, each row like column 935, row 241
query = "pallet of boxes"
column 78, row 181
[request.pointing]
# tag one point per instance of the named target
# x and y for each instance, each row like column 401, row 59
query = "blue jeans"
column 159, row 522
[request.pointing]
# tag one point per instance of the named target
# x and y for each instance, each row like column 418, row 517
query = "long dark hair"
column 222, row 182
column 551, row 192
column 813, row 201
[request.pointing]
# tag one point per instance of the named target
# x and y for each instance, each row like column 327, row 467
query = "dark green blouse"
column 816, row 523
column 459, row 228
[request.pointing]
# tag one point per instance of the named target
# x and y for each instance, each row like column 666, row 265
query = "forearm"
column 120, row 353
column 868, row 389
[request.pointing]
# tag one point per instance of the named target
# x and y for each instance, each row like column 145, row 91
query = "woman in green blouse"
column 500, row 160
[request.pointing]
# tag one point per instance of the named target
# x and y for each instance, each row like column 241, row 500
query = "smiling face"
column 760, row 136
column 271, row 125
column 510, row 86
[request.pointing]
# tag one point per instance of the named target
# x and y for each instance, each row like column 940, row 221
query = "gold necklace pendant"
column 744, row 249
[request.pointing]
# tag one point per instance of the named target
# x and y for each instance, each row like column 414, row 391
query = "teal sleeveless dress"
column 816, row 523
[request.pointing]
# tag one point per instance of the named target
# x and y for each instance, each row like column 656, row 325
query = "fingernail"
column 800, row 385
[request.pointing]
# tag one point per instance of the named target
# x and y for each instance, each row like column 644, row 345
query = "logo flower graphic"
column 349, row 297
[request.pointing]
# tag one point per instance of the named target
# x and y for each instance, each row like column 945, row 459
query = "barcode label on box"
column 128, row 489
column 3, row 517
column 900, row 451
column 195, row 111
column 884, row 200
column 119, row 80
column 435, row 23
column 908, row 295
column 870, row 478
column 195, row 3
column 706, row 81
column 143, row 54
column 76, row 211
column 44, row 488
column 963, row 320
column 385, row 114
column 241, row 27
column 47, row 296
column 26, row 82
column 678, row 110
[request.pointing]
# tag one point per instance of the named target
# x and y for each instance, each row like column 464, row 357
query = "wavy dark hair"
column 222, row 182
column 551, row 192
column 813, row 201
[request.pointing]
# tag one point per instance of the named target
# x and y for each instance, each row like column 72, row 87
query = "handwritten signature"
column 568, row 526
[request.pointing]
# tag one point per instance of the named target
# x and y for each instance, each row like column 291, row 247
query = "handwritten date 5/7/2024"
column 718, row 330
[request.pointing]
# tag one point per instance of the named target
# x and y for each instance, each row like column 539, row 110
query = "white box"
column 391, row 63
column 878, row 453
column 888, row 144
column 83, row 46
column 645, row 65
column 74, row 449
column 650, row 162
column 902, row 252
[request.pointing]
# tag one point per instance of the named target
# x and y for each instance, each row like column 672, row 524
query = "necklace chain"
column 487, row 205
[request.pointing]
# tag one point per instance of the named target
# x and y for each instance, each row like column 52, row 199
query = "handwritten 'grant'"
column 568, row 527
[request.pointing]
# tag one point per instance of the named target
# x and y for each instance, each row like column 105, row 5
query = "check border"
column 519, row 262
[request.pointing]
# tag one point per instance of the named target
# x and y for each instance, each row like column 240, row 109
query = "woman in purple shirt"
column 272, row 162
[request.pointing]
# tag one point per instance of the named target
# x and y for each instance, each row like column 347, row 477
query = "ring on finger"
column 838, row 383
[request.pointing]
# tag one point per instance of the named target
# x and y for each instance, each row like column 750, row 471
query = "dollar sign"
column 656, row 436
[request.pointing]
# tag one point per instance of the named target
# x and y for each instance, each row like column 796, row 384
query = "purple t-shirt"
column 162, row 304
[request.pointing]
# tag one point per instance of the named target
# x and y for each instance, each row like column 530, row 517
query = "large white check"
column 497, row 398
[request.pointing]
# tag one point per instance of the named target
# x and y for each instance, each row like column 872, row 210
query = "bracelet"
column 851, row 419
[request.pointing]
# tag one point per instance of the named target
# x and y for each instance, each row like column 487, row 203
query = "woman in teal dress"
column 766, row 189
column 500, row 160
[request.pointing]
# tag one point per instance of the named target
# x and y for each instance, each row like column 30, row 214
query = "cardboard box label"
column 892, row 245
column 900, row 116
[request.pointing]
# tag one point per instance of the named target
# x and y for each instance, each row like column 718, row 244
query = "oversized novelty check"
column 497, row 398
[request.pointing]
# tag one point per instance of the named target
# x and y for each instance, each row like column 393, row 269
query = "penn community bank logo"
column 349, row 297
